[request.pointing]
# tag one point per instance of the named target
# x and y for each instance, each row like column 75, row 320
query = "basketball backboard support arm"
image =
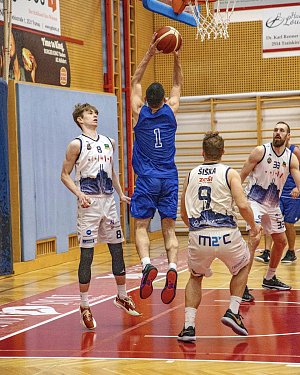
column 167, row 11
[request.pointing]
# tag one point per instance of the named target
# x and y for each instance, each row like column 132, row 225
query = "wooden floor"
column 24, row 336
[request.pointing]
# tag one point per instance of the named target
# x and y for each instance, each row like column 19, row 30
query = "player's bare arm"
column 116, row 181
column 183, row 212
column 72, row 154
column 174, row 99
column 241, row 201
column 294, row 170
column 136, row 87
column 254, row 158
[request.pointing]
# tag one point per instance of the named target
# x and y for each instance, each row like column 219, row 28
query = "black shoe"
column 187, row 334
column 234, row 321
column 289, row 257
column 169, row 291
column 274, row 283
column 247, row 296
column 264, row 257
column 149, row 274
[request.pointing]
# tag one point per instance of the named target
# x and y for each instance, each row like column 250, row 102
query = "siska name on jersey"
column 206, row 171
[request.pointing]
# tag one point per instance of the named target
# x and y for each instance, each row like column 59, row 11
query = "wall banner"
column 42, row 15
column 281, row 31
column 37, row 58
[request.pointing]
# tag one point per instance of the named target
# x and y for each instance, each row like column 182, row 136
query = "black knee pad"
column 118, row 265
column 85, row 265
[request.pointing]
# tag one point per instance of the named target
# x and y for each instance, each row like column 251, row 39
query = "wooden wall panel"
column 84, row 23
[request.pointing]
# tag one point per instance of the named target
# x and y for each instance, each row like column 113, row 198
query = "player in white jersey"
column 97, row 221
column 268, row 167
column 207, row 208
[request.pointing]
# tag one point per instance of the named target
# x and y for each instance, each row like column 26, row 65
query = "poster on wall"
column 281, row 32
column 37, row 58
column 41, row 15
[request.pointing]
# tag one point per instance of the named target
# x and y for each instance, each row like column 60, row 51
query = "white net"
column 213, row 22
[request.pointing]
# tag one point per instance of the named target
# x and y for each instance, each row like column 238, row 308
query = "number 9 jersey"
column 208, row 198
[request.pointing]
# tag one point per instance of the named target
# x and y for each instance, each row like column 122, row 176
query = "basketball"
column 169, row 39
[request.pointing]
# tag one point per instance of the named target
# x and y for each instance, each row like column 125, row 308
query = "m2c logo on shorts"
column 214, row 240
column 90, row 240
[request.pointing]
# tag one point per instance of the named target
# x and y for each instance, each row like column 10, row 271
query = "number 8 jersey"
column 208, row 198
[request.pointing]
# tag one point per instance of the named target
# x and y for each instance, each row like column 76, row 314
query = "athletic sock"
column 145, row 261
column 270, row 273
column 122, row 291
column 190, row 316
column 84, row 299
column 235, row 302
column 173, row 265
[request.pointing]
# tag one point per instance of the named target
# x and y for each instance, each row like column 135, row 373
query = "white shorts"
column 99, row 222
column 226, row 244
column 271, row 219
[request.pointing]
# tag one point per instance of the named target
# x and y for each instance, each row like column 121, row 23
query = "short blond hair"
column 213, row 145
column 80, row 108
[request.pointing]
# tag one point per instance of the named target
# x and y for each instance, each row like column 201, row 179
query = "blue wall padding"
column 5, row 219
column 46, row 126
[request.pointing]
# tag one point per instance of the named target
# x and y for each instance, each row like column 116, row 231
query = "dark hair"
column 80, row 108
column 155, row 94
column 287, row 125
column 213, row 145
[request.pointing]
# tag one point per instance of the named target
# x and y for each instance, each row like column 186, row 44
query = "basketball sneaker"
column 264, row 257
column 127, row 305
column 247, row 296
column 289, row 257
column 169, row 291
column 187, row 334
column 149, row 274
column 274, row 283
column 234, row 321
column 86, row 318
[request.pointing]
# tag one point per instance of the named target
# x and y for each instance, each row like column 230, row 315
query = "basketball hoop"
column 211, row 22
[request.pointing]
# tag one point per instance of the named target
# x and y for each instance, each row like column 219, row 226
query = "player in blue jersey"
column 153, row 162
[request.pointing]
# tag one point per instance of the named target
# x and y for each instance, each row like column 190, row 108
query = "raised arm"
column 136, row 87
column 173, row 101
column 254, row 158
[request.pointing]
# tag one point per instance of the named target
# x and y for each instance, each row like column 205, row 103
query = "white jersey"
column 93, row 168
column 267, row 179
column 208, row 198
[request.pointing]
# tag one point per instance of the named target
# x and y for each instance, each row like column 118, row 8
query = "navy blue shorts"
column 151, row 194
column 290, row 209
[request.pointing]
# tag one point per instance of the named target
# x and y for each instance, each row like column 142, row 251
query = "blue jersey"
column 290, row 183
column 154, row 145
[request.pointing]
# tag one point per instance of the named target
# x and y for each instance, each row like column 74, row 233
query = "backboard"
column 164, row 7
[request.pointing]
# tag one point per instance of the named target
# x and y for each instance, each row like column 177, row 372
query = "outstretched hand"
column 152, row 49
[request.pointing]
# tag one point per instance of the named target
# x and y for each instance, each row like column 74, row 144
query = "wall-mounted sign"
column 37, row 58
column 42, row 15
column 281, row 31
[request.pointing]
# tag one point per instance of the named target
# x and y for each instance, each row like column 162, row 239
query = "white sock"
column 235, row 302
column 190, row 316
column 122, row 291
column 173, row 265
column 270, row 273
column 84, row 299
column 145, row 261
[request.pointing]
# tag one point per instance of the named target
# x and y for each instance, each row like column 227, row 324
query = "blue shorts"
column 290, row 209
column 151, row 194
